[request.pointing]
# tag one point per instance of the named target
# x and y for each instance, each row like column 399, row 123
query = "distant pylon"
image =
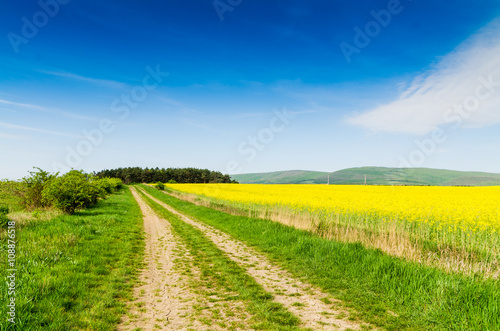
column 328, row 180
column 365, row 179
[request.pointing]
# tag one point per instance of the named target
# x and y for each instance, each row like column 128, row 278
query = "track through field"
column 316, row 310
column 165, row 301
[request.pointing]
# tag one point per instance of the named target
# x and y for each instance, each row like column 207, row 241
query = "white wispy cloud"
column 250, row 114
column 27, row 128
column 66, row 114
column 96, row 81
column 307, row 111
column 446, row 92
column 24, row 105
column 172, row 102
column 78, row 117
column 180, row 106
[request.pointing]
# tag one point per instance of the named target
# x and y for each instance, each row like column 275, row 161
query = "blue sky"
column 248, row 86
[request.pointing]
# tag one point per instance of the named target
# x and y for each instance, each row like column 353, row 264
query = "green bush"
column 72, row 191
column 3, row 221
column 160, row 186
column 110, row 185
column 35, row 183
column 172, row 181
column 4, row 210
column 106, row 186
column 117, row 182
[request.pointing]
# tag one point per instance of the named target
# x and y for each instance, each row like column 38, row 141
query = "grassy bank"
column 224, row 281
column 75, row 272
column 385, row 290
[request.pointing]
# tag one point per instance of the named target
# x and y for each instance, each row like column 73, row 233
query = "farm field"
column 217, row 265
column 455, row 228
column 379, row 290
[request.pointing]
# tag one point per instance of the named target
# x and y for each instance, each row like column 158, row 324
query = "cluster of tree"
column 69, row 192
column 178, row 175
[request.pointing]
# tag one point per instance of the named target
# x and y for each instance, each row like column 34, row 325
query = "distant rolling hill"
column 374, row 176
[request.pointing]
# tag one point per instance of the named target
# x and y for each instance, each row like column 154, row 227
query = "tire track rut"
column 164, row 301
column 316, row 309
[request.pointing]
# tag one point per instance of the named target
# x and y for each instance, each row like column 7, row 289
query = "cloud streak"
column 95, row 81
column 27, row 128
column 446, row 93
column 66, row 114
column 23, row 105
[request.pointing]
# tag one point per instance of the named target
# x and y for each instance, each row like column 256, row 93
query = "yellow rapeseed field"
column 456, row 228
column 447, row 208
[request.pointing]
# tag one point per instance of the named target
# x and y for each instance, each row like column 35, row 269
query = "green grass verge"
column 76, row 272
column 386, row 291
column 220, row 272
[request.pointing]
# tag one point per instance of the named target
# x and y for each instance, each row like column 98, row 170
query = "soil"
column 164, row 301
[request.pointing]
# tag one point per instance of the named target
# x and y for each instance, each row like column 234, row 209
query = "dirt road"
column 163, row 300
column 169, row 297
column 316, row 310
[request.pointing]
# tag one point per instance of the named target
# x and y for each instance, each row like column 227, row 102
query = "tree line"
column 153, row 175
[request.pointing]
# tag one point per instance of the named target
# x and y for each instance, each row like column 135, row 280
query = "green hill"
column 283, row 177
column 374, row 176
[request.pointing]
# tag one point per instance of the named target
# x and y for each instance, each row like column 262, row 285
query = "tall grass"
column 75, row 272
column 387, row 291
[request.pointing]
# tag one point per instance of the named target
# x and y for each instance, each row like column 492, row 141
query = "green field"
column 75, row 272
